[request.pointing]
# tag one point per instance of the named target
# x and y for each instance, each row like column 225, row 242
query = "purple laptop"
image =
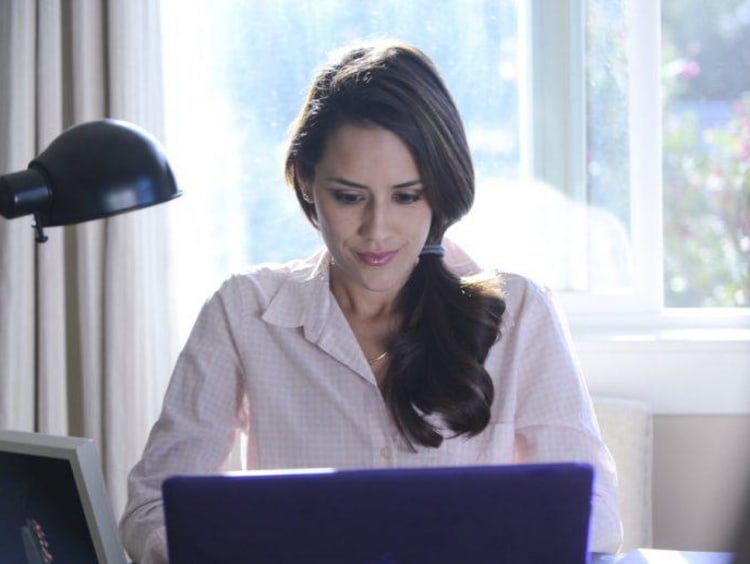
column 518, row 514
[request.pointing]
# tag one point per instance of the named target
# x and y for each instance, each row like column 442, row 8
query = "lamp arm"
column 39, row 235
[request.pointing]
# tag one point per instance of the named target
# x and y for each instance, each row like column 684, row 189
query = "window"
column 563, row 108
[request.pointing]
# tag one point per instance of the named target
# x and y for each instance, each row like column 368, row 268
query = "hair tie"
column 435, row 249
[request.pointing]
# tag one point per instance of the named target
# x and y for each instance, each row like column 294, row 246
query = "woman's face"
column 371, row 209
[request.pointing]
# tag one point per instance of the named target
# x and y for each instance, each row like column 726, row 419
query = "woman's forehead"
column 358, row 147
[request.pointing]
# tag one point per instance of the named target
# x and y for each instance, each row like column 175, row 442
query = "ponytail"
column 437, row 357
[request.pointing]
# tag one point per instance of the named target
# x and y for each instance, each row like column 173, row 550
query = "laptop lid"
column 519, row 513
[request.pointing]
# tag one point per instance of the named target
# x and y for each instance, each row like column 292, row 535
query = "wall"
column 699, row 391
column 700, row 475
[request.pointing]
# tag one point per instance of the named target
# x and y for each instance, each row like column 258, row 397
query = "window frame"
column 676, row 360
column 556, row 148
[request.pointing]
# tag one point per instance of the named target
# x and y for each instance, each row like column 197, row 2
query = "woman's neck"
column 361, row 303
column 373, row 319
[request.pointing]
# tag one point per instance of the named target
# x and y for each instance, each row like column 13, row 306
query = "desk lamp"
column 90, row 171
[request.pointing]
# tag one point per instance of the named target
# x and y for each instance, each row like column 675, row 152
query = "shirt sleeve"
column 554, row 418
column 202, row 413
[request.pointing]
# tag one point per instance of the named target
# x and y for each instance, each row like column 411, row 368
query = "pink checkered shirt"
column 273, row 357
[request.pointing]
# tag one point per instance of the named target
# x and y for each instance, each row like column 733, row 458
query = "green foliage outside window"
column 707, row 212
column 706, row 159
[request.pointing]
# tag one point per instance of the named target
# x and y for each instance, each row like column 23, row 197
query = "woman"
column 374, row 352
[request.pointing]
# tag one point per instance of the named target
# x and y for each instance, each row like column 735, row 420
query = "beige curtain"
column 86, row 334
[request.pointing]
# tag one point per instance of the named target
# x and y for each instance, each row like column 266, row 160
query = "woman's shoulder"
column 517, row 286
column 265, row 279
column 526, row 298
column 270, row 273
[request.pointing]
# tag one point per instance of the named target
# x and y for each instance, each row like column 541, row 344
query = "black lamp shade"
column 92, row 170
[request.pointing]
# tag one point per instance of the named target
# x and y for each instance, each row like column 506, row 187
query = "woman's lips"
column 377, row 259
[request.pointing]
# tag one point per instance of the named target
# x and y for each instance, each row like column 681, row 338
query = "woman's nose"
column 375, row 220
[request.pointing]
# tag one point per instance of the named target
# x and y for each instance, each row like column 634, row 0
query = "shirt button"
column 386, row 452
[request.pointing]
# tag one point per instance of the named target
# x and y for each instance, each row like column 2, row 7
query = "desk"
column 651, row 556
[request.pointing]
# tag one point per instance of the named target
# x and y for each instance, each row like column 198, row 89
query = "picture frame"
column 55, row 504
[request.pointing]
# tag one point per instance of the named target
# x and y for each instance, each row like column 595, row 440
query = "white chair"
column 627, row 430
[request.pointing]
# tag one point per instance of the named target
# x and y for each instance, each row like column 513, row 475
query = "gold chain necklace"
column 377, row 358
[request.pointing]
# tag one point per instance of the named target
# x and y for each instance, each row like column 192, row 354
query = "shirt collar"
column 304, row 298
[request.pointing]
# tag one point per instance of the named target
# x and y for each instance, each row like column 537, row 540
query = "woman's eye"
column 407, row 197
column 348, row 197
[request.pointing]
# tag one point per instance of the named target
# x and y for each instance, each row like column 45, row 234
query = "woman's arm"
column 554, row 416
column 203, row 411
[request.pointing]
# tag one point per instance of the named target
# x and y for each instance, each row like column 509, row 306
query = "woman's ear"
column 305, row 186
column 306, row 193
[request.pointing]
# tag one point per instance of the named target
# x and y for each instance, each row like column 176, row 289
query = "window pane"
column 567, row 222
column 607, row 155
column 706, row 57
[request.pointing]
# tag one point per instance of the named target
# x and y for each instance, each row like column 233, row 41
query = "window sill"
column 673, row 367
column 706, row 337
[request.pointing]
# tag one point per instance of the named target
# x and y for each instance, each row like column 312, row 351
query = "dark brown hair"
column 449, row 324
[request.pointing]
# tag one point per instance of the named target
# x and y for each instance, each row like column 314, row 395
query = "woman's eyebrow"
column 351, row 184
column 409, row 183
column 345, row 182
